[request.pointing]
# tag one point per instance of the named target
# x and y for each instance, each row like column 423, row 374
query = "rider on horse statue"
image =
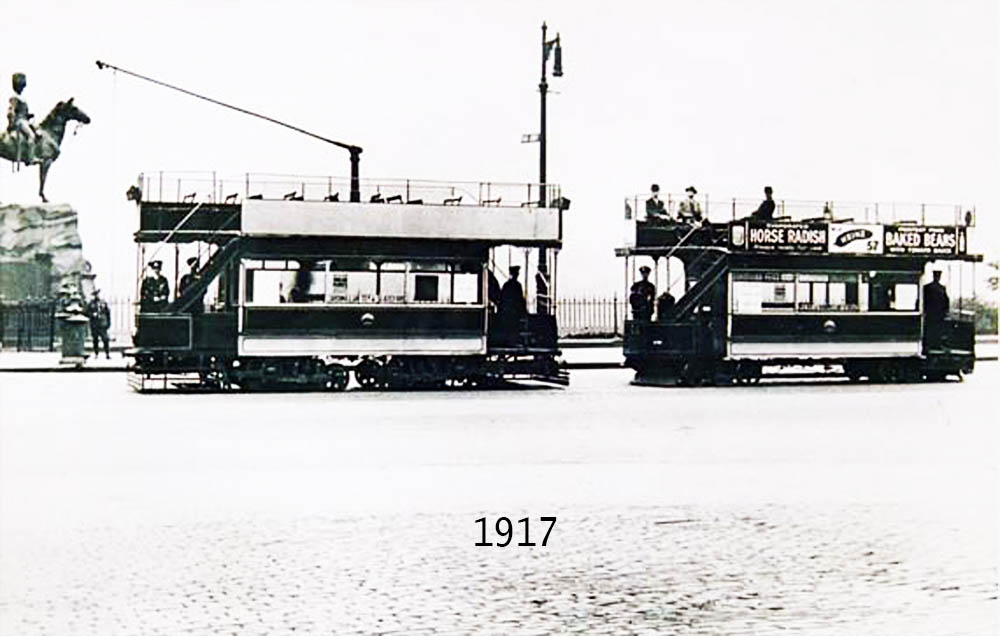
column 19, row 121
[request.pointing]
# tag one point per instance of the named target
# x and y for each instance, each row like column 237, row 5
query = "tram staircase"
column 690, row 300
column 719, row 265
column 222, row 257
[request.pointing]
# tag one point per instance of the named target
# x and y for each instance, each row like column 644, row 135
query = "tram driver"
column 512, row 306
column 154, row 295
column 641, row 296
column 936, row 306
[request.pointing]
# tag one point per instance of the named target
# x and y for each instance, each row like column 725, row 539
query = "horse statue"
column 50, row 136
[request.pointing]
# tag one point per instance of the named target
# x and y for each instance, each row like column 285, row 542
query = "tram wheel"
column 338, row 377
column 368, row 373
column 889, row 371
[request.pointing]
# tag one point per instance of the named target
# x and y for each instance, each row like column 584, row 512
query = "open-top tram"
column 829, row 292
column 301, row 291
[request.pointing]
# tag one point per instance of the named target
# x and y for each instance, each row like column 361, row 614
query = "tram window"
column 892, row 291
column 906, row 297
column 263, row 287
column 425, row 288
column 467, row 289
column 361, row 287
column 392, row 286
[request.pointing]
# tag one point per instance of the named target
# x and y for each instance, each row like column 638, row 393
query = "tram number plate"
column 506, row 532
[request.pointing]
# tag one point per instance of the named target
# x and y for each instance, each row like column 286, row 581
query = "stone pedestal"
column 73, row 326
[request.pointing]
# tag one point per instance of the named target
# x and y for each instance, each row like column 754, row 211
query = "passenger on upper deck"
column 154, row 295
column 766, row 210
column 654, row 206
column 689, row 211
column 641, row 296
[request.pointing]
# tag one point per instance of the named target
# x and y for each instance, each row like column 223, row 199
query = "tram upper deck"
column 938, row 232
column 188, row 207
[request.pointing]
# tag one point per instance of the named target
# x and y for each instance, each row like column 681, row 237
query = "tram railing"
column 213, row 187
column 720, row 209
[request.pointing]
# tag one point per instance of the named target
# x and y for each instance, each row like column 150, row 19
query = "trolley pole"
column 355, row 151
column 542, row 285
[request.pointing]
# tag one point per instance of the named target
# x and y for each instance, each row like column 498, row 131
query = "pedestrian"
column 154, row 296
column 100, row 321
column 641, row 296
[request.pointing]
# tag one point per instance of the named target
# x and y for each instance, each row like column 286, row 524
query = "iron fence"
column 28, row 325
column 590, row 316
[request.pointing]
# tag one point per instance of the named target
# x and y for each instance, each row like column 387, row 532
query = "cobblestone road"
column 817, row 509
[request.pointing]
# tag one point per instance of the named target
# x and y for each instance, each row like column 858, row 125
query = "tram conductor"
column 641, row 296
column 155, row 292
column 936, row 305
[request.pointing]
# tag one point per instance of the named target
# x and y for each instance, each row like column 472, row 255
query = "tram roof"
column 172, row 209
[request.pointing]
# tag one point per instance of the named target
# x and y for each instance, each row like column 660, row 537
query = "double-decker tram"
column 855, row 289
column 418, row 284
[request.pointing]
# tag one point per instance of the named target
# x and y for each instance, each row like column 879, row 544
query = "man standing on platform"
column 641, row 296
column 936, row 305
column 198, row 306
column 154, row 296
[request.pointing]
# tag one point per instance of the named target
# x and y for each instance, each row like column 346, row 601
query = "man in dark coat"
column 766, row 210
column 641, row 296
column 936, row 305
column 154, row 296
column 100, row 322
column 198, row 306
column 512, row 304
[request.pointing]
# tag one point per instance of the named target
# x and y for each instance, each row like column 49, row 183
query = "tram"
column 299, row 290
column 838, row 291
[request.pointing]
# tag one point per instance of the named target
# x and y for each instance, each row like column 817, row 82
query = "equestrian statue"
column 23, row 142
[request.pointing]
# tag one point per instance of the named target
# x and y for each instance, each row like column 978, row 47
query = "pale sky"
column 851, row 100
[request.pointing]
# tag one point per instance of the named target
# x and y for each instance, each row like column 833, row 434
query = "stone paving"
column 861, row 510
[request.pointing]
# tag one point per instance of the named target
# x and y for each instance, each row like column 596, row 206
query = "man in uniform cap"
column 689, row 210
column 641, row 296
column 936, row 305
column 155, row 292
column 19, row 120
column 512, row 307
column 100, row 322
column 189, row 279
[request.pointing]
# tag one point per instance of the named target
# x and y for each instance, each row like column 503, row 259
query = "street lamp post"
column 542, row 283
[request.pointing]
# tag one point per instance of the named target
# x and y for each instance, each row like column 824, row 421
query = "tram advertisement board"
column 924, row 239
column 856, row 238
column 779, row 237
